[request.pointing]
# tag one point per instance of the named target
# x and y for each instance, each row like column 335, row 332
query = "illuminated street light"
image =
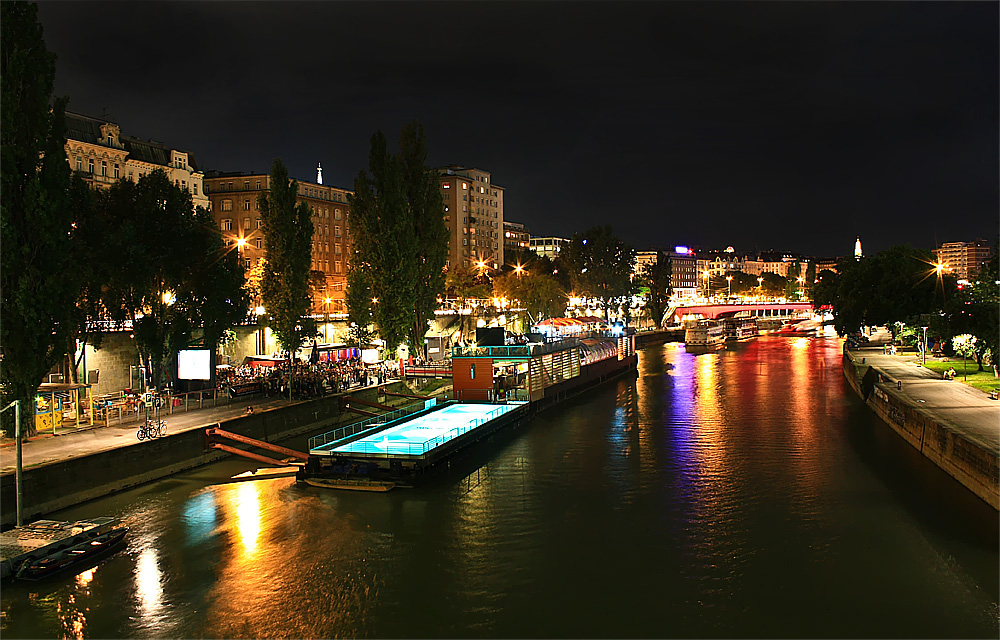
column 168, row 298
column 374, row 300
column 729, row 281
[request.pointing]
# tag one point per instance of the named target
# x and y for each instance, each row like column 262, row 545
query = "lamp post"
column 729, row 281
column 240, row 243
column 708, row 285
column 760, row 287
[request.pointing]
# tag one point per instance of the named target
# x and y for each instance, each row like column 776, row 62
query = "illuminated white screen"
column 194, row 364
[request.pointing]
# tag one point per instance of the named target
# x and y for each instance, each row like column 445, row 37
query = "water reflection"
column 149, row 585
column 245, row 500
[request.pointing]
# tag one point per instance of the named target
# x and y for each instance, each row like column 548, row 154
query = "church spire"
column 319, row 173
column 857, row 249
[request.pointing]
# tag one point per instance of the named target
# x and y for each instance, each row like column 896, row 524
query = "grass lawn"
column 982, row 380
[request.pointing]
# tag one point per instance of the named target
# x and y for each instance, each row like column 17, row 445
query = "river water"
column 743, row 493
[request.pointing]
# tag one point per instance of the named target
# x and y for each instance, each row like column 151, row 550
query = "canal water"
column 742, row 493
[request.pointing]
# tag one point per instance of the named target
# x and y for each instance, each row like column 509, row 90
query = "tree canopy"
column 36, row 213
column 288, row 228
column 600, row 265
column 656, row 277
column 399, row 240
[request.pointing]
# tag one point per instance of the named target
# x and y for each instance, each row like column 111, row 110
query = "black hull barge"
column 495, row 388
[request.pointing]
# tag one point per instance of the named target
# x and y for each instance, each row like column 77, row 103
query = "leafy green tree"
column 772, row 284
column 400, row 241
column 37, row 280
column 539, row 293
column 825, row 289
column 359, row 308
column 288, row 228
column 974, row 309
column 600, row 265
column 463, row 284
column 656, row 277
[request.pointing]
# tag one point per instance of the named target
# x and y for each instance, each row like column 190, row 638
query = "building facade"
column 548, row 247
column 97, row 150
column 515, row 239
column 964, row 259
column 473, row 213
column 683, row 273
column 234, row 204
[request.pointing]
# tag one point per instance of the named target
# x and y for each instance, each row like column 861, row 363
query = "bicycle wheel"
column 141, row 433
column 161, row 429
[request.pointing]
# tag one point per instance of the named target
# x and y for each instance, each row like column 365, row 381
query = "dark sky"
column 787, row 125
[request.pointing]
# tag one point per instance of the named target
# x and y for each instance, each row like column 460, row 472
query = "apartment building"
column 964, row 259
column 549, row 247
column 97, row 150
column 234, row 204
column 515, row 239
column 473, row 213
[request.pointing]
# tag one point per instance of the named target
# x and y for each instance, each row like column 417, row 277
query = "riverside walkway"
column 73, row 443
column 964, row 409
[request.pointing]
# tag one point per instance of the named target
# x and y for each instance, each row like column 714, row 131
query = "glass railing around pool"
column 368, row 423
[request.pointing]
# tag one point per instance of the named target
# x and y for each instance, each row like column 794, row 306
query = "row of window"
column 116, row 173
column 310, row 192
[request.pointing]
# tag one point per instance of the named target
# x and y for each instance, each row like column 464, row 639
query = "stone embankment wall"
column 972, row 464
column 58, row 485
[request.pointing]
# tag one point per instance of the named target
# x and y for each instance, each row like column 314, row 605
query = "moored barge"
column 495, row 388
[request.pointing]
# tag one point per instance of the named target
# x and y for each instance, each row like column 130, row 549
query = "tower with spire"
column 319, row 173
column 857, row 249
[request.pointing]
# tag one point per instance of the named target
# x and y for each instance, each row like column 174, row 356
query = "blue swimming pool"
column 420, row 435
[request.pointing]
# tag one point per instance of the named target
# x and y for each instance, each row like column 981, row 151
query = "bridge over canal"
column 749, row 309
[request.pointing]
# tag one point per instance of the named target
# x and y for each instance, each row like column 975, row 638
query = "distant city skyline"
column 792, row 126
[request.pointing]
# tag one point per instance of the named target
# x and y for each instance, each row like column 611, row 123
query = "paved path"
column 963, row 408
column 71, row 444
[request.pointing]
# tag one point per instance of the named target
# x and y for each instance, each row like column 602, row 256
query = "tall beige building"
column 234, row 206
column 473, row 213
column 964, row 259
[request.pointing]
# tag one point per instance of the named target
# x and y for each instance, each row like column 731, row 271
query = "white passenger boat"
column 704, row 335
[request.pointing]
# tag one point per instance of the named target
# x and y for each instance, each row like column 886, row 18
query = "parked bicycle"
column 152, row 429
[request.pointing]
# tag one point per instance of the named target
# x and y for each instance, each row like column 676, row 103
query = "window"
column 227, row 224
column 230, row 186
column 246, row 206
column 337, row 266
column 260, row 243
column 184, row 183
column 227, row 205
column 90, row 165
column 117, row 174
column 246, row 185
column 336, row 214
column 194, row 185
column 336, row 230
column 446, row 185
column 258, row 185
column 104, row 167
column 337, row 248
column 246, row 223
column 465, row 185
column 259, row 223
column 326, row 247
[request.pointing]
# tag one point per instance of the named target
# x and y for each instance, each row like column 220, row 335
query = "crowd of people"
column 306, row 380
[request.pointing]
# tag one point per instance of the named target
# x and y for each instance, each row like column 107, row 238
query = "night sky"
column 789, row 125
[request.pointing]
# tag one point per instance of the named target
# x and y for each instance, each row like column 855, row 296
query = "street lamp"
column 708, row 284
column 760, row 287
column 729, row 281
column 240, row 243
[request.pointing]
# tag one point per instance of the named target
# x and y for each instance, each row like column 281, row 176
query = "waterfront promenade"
column 964, row 409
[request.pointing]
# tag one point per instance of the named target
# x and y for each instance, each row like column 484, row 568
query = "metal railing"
column 423, row 447
column 355, row 428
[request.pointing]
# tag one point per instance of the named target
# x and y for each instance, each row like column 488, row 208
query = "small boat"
column 79, row 556
column 351, row 484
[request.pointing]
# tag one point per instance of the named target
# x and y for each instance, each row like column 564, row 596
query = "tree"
column 894, row 285
column 430, row 235
column 656, row 277
column 400, row 241
column 600, row 265
column 539, row 293
column 168, row 270
column 36, row 218
column 463, row 284
column 288, row 228
column 965, row 346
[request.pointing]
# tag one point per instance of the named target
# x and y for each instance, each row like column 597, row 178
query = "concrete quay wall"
column 57, row 485
column 974, row 465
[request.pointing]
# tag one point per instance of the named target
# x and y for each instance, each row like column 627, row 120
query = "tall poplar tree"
column 36, row 216
column 600, row 265
column 288, row 230
column 399, row 240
